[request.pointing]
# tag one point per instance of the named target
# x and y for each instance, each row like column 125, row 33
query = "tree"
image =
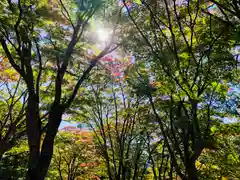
column 120, row 125
column 74, row 155
column 13, row 164
column 28, row 51
column 190, row 59
column 12, row 122
column 224, row 160
column 157, row 106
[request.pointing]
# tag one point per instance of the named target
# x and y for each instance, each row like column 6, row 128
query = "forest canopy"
column 119, row 90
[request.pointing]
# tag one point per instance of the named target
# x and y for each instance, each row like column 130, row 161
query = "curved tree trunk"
column 39, row 170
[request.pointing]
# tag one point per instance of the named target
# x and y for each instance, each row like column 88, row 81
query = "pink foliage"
column 116, row 65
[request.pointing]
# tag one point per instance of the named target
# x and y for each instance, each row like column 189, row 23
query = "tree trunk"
column 33, row 132
column 192, row 171
column 55, row 118
column 40, row 161
column 4, row 147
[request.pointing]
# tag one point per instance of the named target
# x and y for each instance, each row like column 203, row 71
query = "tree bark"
column 191, row 171
column 55, row 118
column 4, row 147
column 33, row 132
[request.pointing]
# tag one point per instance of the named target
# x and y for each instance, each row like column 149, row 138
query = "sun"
column 103, row 34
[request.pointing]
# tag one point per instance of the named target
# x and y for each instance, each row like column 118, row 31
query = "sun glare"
column 103, row 35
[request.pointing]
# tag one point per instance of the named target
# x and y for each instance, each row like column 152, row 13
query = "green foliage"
column 165, row 119
column 13, row 164
column 74, row 156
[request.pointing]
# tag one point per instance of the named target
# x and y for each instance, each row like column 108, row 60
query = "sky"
column 66, row 123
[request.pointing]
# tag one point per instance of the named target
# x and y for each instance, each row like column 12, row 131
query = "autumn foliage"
column 7, row 73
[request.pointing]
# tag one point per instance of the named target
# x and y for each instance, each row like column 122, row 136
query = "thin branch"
column 67, row 15
column 40, row 71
